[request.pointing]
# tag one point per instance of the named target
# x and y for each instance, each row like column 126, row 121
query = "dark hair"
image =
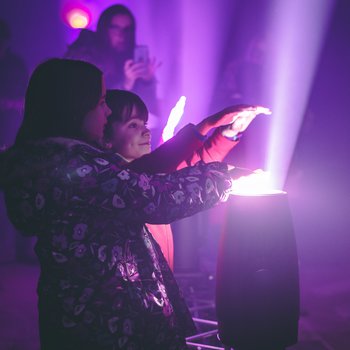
column 59, row 95
column 83, row 48
column 105, row 21
column 121, row 103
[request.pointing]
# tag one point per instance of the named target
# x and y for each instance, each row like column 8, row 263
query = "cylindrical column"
column 257, row 292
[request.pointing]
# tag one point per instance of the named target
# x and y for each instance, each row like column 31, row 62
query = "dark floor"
column 324, row 322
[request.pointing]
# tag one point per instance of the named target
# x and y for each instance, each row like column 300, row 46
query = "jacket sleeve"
column 167, row 157
column 215, row 148
column 100, row 186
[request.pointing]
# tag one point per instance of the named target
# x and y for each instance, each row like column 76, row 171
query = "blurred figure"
column 13, row 82
column 243, row 80
column 112, row 48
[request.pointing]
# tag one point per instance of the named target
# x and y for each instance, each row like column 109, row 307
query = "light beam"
column 298, row 29
column 174, row 118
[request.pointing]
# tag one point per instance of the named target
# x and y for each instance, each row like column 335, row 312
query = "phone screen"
column 141, row 53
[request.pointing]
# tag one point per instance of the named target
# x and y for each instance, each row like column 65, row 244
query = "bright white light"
column 174, row 119
column 297, row 32
column 255, row 184
column 78, row 18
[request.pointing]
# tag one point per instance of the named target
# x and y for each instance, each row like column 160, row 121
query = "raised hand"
column 243, row 114
column 132, row 72
column 139, row 70
column 150, row 69
column 243, row 120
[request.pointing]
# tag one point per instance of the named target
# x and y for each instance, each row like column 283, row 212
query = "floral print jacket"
column 104, row 282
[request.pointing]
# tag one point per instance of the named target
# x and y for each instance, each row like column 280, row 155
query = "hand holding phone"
column 141, row 54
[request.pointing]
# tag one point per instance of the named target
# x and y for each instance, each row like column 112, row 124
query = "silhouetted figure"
column 13, row 82
column 243, row 80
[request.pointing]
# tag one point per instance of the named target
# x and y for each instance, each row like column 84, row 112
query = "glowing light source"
column 258, row 183
column 78, row 18
column 74, row 14
column 174, row 119
column 257, row 279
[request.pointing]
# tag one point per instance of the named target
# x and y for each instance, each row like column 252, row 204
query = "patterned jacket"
column 104, row 283
column 186, row 148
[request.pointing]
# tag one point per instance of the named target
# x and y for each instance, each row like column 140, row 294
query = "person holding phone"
column 113, row 49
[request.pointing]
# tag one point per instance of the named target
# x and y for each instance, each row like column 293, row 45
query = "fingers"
column 259, row 171
column 136, row 70
column 128, row 64
column 154, row 64
column 243, row 111
column 247, row 114
column 132, row 72
column 263, row 110
column 236, row 118
column 259, row 110
column 141, row 70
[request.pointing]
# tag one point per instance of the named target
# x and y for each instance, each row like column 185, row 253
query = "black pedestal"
column 257, row 292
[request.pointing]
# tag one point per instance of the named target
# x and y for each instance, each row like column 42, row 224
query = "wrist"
column 202, row 128
column 235, row 137
column 198, row 134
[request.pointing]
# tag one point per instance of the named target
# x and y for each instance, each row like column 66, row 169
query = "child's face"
column 131, row 139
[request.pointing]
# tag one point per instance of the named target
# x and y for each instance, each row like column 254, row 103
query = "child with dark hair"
column 127, row 135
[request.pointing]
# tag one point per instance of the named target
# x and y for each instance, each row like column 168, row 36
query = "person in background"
column 244, row 79
column 104, row 283
column 127, row 135
column 112, row 48
column 13, row 83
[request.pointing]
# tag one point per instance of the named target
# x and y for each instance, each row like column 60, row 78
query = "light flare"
column 174, row 119
column 75, row 14
column 78, row 18
column 297, row 31
column 258, row 183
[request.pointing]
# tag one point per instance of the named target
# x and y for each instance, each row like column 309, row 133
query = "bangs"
column 121, row 103
column 141, row 112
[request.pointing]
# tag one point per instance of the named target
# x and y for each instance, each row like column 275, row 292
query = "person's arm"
column 167, row 157
column 187, row 147
column 225, row 137
column 215, row 148
column 129, row 196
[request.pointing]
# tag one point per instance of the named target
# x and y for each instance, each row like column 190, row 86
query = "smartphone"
column 141, row 53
